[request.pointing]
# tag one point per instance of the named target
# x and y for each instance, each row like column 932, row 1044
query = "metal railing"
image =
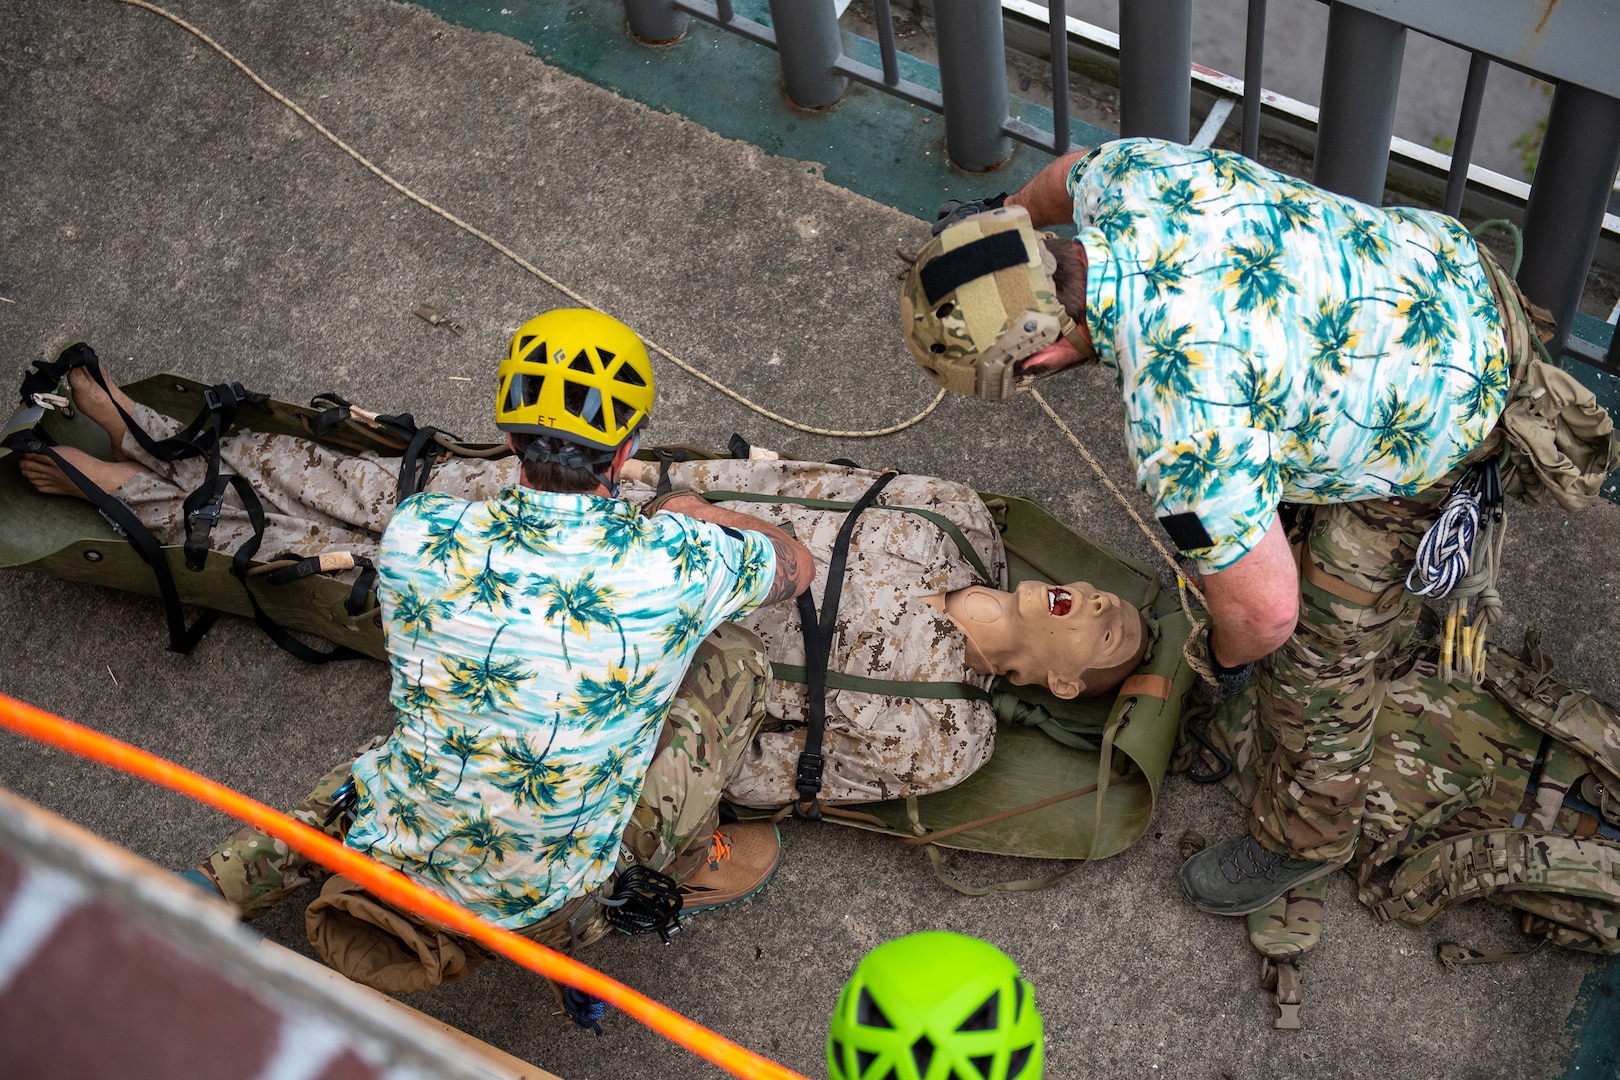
column 1574, row 45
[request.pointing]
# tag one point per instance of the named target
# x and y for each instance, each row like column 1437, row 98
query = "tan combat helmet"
column 979, row 299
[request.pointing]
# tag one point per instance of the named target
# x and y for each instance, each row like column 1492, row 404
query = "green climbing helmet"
column 935, row 1006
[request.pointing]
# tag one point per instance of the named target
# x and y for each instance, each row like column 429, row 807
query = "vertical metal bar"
column 1057, row 24
column 1155, row 68
column 973, row 82
column 1359, row 81
column 1254, row 56
column 655, row 21
column 722, row 8
column 1613, row 355
column 885, row 29
column 808, row 41
column 1568, row 197
column 1462, row 148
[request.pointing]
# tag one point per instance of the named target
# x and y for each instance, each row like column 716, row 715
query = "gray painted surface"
column 156, row 204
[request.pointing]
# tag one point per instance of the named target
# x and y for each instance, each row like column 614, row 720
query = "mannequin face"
column 1073, row 639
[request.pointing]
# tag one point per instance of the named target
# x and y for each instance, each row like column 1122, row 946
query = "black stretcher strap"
column 310, row 565
column 182, row 638
column 201, row 509
column 416, row 464
column 243, row 560
column 818, row 635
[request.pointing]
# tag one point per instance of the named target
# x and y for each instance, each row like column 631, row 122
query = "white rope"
column 1182, row 584
column 472, row 230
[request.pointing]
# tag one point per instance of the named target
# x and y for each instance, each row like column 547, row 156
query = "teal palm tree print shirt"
column 535, row 642
column 1275, row 342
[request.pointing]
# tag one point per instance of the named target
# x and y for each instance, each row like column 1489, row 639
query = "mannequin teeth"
column 1059, row 601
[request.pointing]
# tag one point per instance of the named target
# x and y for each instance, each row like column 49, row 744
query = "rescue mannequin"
column 914, row 607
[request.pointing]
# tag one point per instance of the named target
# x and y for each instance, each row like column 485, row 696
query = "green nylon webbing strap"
column 838, row 680
column 948, row 526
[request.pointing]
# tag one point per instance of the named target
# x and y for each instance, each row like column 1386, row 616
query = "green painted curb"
column 1594, row 1026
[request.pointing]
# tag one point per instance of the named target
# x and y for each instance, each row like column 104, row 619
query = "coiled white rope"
column 1447, row 547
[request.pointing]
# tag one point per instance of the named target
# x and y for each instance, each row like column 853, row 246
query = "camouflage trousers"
column 314, row 499
column 715, row 713
column 1320, row 691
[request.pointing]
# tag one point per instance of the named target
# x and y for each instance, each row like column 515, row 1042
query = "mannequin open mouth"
column 1059, row 601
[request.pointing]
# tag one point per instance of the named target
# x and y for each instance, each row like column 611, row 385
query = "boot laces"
column 1250, row 860
column 719, row 848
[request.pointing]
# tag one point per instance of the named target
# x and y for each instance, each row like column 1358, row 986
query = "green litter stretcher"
column 1048, row 750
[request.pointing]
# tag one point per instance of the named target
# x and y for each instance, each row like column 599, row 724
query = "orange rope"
column 387, row 884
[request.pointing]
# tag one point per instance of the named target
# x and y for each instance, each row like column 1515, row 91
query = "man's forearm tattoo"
column 789, row 561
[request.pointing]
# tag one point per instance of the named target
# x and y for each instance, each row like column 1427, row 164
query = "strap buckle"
column 216, row 400
column 807, row 780
column 208, row 513
column 112, row 522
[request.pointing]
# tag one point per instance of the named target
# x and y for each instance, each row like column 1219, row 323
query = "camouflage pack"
column 1507, row 792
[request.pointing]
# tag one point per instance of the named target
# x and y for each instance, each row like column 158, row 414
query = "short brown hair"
column 552, row 475
column 1069, row 279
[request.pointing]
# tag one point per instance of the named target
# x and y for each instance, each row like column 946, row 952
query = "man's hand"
column 795, row 566
column 954, row 210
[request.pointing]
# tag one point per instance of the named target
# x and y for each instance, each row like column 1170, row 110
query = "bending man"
column 1274, row 343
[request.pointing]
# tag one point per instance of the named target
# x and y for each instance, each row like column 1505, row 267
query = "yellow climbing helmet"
column 578, row 375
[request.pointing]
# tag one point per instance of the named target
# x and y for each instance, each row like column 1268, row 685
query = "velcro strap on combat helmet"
column 983, row 257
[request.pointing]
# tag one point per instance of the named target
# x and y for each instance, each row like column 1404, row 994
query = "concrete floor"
column 158, row 205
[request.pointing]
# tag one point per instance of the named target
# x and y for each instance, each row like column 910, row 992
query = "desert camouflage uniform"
column 315, row 499
column 877, row 746
column 714, row 715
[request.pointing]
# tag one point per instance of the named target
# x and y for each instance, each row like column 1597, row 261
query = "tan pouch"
column 382, row 947
column 1561, row 435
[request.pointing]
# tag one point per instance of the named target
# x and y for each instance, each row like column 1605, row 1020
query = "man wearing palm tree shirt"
column 564, row 670
column 1274, row 343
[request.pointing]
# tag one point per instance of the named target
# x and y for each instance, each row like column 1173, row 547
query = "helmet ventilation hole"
column 1016, row 1062
column 985, row 1017
column 582, row 362
column 984, row 1064
column 938, row 347
column 531, row 387
column 867, row 1013
column 944, row 310
column 922, row 1053
column 622, row 413
column 863, row 1061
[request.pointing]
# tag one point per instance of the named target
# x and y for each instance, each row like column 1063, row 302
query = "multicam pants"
column 1320, row 691
column 713, row 717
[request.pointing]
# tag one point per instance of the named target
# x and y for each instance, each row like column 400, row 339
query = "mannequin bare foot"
column 48, row 479
column 94, row 402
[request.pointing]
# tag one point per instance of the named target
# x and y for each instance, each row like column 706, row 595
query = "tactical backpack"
column 1509, row 792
